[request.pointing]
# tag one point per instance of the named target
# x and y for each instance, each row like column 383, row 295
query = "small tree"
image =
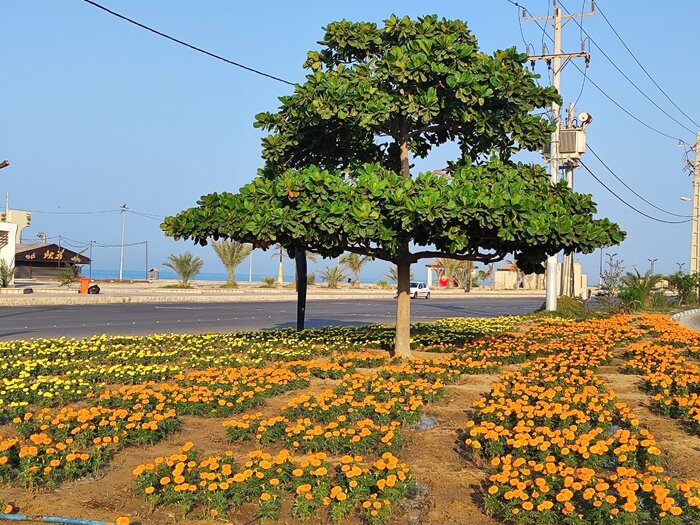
column 686, row 285
column 637, row 290
column 611, row 281
column 7, row 273
column 333, row 276
column 354, row 263
column 393, row 274
column 187, row 266
column 69, row 274
column 232, row 254
column 337, row 174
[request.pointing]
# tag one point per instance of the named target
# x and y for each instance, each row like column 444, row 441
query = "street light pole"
column 652, row 261
column 121, row 248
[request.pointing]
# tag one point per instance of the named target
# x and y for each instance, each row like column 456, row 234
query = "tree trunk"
column 300, row 260
column 403, row 149
column 402, row 343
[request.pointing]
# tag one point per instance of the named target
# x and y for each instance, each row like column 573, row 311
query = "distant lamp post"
column 693, row 233
column 651, row 262
column 680, row 267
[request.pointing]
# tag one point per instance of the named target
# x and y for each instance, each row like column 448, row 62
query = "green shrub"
column 268, row 282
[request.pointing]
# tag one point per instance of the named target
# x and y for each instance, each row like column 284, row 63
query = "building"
column 8, row 234
column 48, row 261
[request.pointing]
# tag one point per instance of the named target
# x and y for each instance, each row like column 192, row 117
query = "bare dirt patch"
column 681, row 449
column 448, row 484
column 451, row 482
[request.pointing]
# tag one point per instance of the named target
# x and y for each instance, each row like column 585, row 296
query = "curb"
column 680, row 315
column 76, row 299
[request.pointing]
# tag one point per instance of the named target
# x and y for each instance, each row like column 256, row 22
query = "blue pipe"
column 51, row 519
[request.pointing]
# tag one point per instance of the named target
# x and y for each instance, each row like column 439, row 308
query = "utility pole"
column 696, row 208
column 554, row 61
column 651, row 263
column 567, row 268
column 280, row 269
column 91, row 259
column 121, row 247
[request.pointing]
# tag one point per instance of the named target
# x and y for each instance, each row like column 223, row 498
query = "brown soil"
column 452, row 482
column 448, row 484
column 681, row 449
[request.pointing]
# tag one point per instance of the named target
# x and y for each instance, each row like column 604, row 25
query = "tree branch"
column 435, row 127
column 377, row 253
column 479, row 257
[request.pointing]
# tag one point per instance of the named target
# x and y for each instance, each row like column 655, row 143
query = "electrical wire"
column 623, row 201
column 644, row 69
column 626, row 111
column 590, row 80
column 147, row 215
column 583, row 85
column 522, row 33
column 73, row 212
column 544, row 28
column 588, row 145
column 100, row 245
column 592, row 41
column 183, row 43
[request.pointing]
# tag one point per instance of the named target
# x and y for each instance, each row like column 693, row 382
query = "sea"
column 140, row 275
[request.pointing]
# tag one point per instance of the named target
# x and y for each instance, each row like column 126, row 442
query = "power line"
column 583, row 85
column 73, row 212
column 629, row 188
column 183, row 43
column 627, row 112
column 590, row 80
column 590, row 38
column 644, row 69
column 147, row 215
column 623, row 201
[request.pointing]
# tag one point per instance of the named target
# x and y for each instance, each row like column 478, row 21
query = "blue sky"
column 97, row 113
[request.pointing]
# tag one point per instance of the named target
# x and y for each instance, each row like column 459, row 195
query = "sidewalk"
column 32, row 293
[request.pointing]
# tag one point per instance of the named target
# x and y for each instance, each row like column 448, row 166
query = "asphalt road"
column 139, row 319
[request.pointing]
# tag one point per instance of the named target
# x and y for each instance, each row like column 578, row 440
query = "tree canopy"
column 376, row 94
column 337, row 174
column 483, row 213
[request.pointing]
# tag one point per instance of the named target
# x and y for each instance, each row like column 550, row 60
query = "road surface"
column 143, row 318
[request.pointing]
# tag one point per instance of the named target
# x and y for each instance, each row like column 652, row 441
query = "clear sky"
column 97, row 113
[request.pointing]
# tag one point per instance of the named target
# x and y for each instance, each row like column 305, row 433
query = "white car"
column 419, row 289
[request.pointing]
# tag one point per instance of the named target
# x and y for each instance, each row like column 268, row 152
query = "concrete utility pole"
column 280, row 269
column 554, row 61
column 121, row 247
column 567, row 268
column 696, row 208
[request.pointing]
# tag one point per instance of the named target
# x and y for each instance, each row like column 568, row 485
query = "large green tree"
column 338, row 159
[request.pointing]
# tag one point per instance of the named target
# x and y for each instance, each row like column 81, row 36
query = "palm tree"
column 637, row 289
column 333, row 275
column 354, row 263
column 482, row 276
column 232, row 254
column 186, row 266
column 457, row 271
column 393, row 274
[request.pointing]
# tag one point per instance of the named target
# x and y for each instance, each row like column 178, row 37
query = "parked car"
column 419, row 289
